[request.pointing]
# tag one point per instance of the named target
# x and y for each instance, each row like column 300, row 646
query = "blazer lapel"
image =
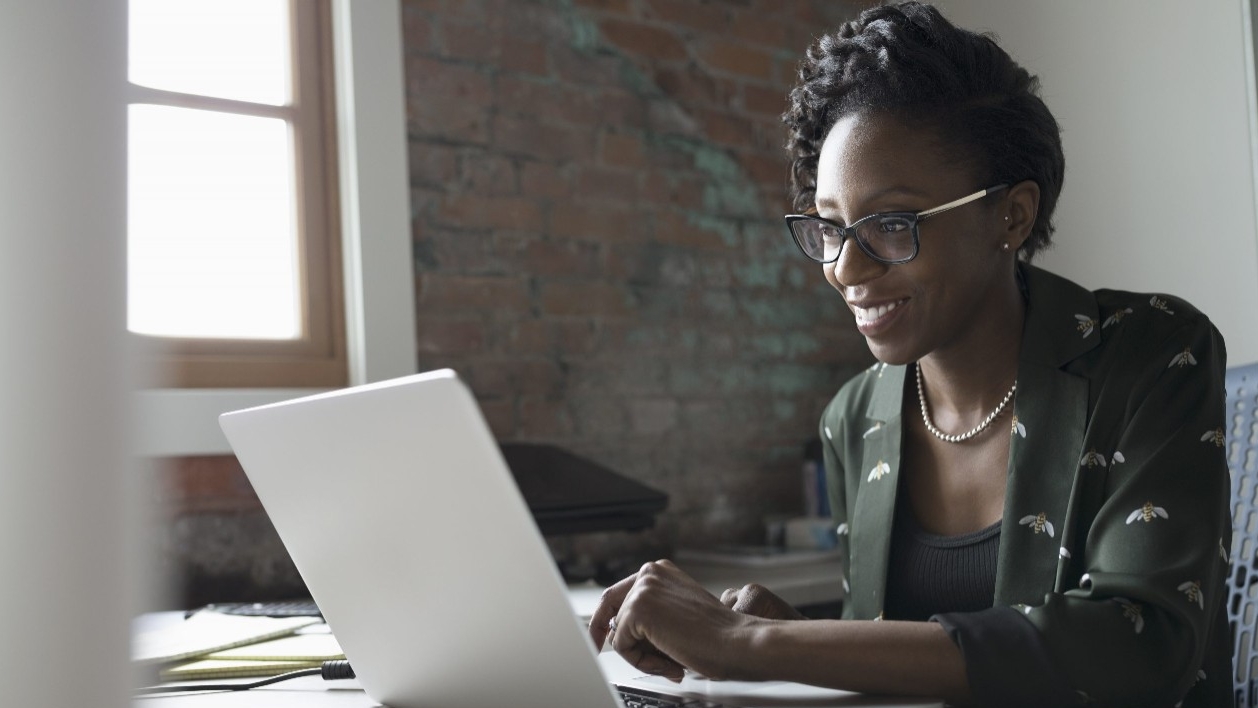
column 1050, row 419
column 875, row 497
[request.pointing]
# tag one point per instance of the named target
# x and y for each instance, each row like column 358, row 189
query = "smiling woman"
column 992, row 476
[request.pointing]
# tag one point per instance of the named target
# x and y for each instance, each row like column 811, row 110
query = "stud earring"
column 1006, row 218
column 1004, row 246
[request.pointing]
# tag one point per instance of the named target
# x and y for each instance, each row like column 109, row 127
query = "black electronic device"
column 568, row 494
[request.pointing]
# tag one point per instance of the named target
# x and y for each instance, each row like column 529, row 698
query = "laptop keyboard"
column 641, row 698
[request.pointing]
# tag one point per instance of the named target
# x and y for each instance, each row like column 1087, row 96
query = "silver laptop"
column 403, row 519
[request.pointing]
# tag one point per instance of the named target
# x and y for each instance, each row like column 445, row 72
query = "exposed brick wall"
column 597, row 189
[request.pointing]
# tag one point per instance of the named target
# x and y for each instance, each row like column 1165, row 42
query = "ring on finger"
column 611, row 626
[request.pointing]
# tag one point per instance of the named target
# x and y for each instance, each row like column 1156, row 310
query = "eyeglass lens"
column 886, row 236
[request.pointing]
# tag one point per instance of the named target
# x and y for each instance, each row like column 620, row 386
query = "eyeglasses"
column 890, row 237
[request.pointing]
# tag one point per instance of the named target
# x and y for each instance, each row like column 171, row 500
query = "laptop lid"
column 400, row 514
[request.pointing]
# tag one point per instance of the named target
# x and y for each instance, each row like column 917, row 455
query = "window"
column 233, row 246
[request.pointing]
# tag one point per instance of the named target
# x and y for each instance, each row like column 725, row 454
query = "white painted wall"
column 1154, row 102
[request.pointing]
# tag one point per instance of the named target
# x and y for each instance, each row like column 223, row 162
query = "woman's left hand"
column 665, row 622
column 757, row 600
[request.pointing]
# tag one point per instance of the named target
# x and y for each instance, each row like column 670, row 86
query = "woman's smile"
column 873, row 318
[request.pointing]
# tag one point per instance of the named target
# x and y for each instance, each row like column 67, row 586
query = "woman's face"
column 871, row 164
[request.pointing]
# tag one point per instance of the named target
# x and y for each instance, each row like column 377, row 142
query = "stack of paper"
column 233, row 645
column 277, row 656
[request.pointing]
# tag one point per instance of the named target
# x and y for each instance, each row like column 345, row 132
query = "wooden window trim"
column 318, row 358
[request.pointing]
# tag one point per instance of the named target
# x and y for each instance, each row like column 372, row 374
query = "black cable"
column 330, row 670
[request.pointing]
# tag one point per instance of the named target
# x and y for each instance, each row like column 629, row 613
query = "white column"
column 64, row 551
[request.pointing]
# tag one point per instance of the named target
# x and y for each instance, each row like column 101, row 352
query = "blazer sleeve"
column 1136, row 628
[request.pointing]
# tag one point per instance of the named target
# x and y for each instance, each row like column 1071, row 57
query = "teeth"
column 869, row 314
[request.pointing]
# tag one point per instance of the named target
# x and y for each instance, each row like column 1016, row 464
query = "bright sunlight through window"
column 212, row 225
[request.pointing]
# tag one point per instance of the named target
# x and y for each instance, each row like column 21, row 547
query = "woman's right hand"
column 756, row 600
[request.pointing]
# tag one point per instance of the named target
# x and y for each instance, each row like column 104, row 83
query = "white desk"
column 798, row 584
column 313, row 692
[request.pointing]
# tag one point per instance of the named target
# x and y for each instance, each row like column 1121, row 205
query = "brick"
column 708, row 17
column 583, row 68
column 447, row 100
column 447, row 119
column 601, row 184
column 416, row 29
column 652, row 416
column 772, row 170
column 424, row 6
column 449, row 337
column 687, row 84
column 599, row 224
column 640, row 40
column 544, row 179
column 515, row 377
column 439, row 249
column 529, row 337
column 622, row 150
column 204, row 484
column 589, row 298
column 505, row 51
column 489, row 174
column 440, row 293
column 540, row 140
column 616, row 6
column 737, row 58
column 771, row 101
column 548, row 258
column 759, row 28
column 594, row 415
column 767, row 134
column 638, row 338
column 786, row 70
column 668, row 188
column 432, row 165
column 669, row 118
column 675, row 228
column 426, row 77
column 542, row 418
column 471, row 211
column 501, row 416
column 550, row 337
column 548, row 103
column 725, row 128
column 620, row 107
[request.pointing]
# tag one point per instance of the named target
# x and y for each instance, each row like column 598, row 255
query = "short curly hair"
column 907, row 61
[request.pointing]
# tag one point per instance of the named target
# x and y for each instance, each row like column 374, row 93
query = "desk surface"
column 800, row 584
column 313, row 692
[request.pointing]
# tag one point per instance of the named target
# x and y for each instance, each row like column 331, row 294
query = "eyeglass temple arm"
column 963, row 200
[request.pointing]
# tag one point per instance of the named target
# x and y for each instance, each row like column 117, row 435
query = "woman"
column 1030, row 486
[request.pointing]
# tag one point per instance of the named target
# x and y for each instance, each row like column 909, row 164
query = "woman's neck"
column 973, row 373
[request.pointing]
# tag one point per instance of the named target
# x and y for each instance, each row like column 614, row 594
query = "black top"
column 928, row 574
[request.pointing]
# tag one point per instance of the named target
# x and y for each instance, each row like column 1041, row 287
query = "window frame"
column 374, row 207
column 318, row 356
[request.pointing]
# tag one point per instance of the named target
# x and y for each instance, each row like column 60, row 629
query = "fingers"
column 608, row 606
column 729, row 597
column 634, row 648
column 750, row 599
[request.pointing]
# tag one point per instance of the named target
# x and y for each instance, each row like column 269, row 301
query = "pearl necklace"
column 963, row 436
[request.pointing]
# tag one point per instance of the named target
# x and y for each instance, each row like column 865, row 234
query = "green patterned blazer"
column 1116, row 528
